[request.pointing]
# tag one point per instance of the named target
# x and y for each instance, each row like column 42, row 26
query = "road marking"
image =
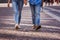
column 31, row 34
column 52, row 15
column 53, row 27
column 52, row 9
column 5, row 5
column 26, row 24
column 24, row 19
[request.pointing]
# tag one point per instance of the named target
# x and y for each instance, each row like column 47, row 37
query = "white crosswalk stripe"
column 27, row 19
column 52, row 9
column 52, row 15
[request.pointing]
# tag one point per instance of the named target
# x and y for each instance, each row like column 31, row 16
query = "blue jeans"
column 17, row 6
column 35, row 9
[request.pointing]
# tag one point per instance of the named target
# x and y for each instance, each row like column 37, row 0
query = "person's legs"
column 17, row 6
column 37, row 16
column 46, row 2
column 9, row 3
column 20, row 10
column 33, row 13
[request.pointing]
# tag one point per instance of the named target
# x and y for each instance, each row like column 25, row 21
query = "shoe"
column 16, row 26
column 38, row 27
column 34, row 26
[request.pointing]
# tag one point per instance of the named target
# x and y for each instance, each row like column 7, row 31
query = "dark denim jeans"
column 35, row 9
column 17, row 6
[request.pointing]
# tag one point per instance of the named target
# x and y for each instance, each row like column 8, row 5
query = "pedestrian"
column 35, row 9
column 17, row 6
column 9, row 3
column 51, row 1
column 47, row 2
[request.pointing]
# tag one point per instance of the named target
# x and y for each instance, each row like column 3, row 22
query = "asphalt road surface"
column 49, row 20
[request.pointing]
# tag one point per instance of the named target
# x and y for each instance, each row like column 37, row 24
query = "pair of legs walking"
column 35, row 9
column 18, row 5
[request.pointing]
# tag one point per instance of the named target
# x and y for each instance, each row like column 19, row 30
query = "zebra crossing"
column 50, row 26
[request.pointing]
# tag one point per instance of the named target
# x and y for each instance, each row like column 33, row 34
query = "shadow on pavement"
column 15, row 37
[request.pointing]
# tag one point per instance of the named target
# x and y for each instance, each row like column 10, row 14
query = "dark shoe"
column 38, row 27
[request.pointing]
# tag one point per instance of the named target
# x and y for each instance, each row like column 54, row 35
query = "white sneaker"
column 17, row 27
